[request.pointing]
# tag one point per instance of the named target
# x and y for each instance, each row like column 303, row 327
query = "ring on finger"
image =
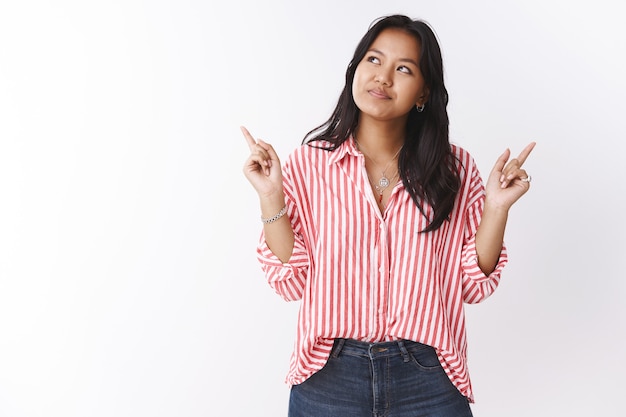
column 527, row 179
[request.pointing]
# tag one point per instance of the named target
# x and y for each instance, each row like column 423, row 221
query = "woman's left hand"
column 508, row 181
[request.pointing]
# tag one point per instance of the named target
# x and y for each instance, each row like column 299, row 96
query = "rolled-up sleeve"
column 476, row 285
column 287, row 279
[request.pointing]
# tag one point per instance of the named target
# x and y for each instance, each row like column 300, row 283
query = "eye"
column 405, row 69
column 373, row 59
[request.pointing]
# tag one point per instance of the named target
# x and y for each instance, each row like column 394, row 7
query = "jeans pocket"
column 424, row 357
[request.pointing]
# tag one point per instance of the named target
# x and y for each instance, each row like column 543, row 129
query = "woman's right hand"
column 262, row 168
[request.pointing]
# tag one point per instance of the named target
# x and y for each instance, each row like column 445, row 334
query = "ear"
column 421, row 100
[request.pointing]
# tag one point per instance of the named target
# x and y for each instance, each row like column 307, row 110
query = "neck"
column 381, row 138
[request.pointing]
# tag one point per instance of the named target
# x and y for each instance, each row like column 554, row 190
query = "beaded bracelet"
column 272, row 219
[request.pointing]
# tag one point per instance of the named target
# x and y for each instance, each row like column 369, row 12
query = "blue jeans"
column 390, row 379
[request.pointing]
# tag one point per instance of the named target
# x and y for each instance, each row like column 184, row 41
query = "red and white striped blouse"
column 371, row 276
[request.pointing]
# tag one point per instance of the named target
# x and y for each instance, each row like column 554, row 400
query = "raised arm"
column 507, row 182
column 263, row 170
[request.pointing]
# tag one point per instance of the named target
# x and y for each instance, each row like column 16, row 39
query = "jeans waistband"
column 378, row 349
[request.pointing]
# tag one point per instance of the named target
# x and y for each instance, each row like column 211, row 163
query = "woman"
column 383, row 229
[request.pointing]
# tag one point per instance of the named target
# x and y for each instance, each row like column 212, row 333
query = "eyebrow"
column 401, row 59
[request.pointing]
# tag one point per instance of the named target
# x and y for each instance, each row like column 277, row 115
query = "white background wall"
column 128, row 279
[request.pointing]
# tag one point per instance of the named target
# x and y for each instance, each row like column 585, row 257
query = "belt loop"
column 405, row 353
column 337, row 348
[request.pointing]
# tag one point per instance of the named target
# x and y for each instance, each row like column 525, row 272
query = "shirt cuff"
column 470, row 263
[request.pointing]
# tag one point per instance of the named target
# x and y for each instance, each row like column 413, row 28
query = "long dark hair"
column 426, row 164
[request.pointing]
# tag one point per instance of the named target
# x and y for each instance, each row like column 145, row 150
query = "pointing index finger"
column 249, row 138
column 524, row 154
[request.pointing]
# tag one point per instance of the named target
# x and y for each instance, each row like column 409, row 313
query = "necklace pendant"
column 383, row 182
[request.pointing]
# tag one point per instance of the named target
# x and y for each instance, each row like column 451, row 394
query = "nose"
column 382, row 77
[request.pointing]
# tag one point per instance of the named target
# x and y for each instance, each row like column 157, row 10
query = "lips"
column 378, row 93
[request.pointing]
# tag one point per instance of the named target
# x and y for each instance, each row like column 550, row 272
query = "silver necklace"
column 383, row 182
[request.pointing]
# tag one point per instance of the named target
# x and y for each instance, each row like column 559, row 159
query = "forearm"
column 278, row 234
column 490, row 237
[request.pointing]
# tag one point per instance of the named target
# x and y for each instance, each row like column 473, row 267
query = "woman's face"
column 388, row 82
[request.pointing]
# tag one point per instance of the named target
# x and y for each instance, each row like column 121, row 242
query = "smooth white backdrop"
column 128, row 279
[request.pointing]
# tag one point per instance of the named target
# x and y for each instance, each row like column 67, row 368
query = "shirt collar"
column 348, row 147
